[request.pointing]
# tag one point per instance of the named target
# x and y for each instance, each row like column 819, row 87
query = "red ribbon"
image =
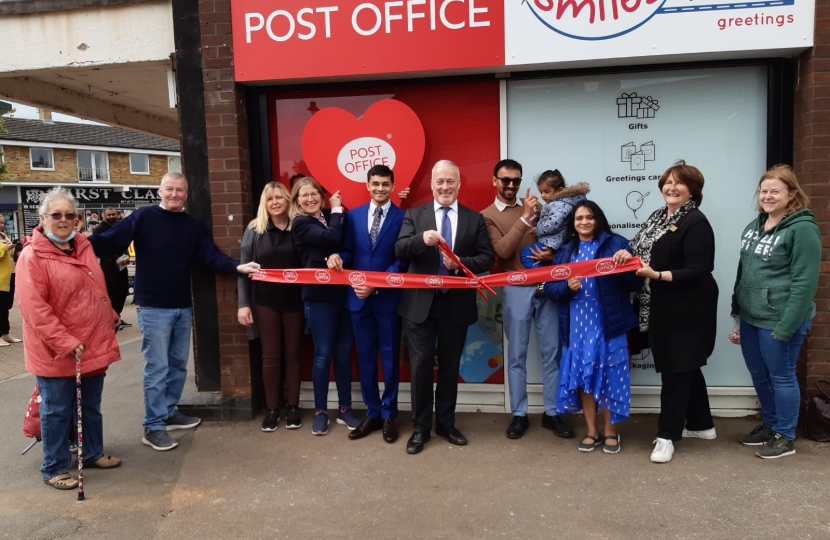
column 324, row 276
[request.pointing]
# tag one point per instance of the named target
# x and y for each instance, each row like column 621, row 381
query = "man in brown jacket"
column 509, row 224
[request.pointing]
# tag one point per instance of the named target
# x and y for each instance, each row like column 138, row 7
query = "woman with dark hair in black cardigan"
column 678, row 305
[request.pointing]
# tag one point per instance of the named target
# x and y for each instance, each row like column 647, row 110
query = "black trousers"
column 6, row 303
column 118, row 287
column 422, row 338
column 684, row 402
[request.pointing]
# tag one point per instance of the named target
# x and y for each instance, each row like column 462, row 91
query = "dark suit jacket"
column 472, row 245
column 684, row 312
column 315, row 243
column 361, row 255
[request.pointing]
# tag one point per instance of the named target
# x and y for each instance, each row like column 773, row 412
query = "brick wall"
column 66, row 167
column 811, row 144
column 230, row 182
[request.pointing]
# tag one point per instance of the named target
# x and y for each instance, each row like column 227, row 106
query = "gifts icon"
column 634, row 106
column 637, row 158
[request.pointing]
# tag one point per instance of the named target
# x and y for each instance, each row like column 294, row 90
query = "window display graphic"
column 634, row 200
column 638, row 158
column 633, row 106
column 714, row 119
column 339, row 149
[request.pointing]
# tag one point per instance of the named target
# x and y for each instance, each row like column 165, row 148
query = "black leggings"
column 6, row 303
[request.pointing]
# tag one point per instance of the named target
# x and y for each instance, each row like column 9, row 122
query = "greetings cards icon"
column 637, row 158
column 648, row 150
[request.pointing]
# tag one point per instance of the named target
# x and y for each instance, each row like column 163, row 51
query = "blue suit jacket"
column 361, row 255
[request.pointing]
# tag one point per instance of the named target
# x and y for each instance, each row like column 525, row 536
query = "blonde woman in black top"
column 274, row 311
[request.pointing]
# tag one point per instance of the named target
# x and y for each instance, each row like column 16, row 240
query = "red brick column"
column 811, row 145
column 230, row 183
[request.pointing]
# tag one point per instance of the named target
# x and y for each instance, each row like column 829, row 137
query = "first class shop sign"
column 313, row 39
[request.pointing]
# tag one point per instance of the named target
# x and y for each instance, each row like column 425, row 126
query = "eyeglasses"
column 70, row 216
column 507, row 181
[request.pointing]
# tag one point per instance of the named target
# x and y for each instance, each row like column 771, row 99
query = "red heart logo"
column 339, row 149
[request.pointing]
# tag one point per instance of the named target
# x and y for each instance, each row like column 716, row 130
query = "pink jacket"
column 64, row 303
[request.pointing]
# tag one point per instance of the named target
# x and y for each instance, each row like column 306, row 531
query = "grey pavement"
column 230, row 480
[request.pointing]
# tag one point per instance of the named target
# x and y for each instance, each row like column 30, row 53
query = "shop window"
column 174, row 164
column 139, row 164
column 42, row 159
column 620, row 132
column 93, row 166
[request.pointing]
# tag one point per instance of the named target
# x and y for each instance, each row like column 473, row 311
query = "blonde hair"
column 260, row 222
column 295, row 209
column 785, row 173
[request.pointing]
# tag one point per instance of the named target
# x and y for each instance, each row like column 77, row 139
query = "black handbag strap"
column 822, row 391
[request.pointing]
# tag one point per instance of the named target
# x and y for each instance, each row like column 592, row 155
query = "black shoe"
column 272, row 419
column 365, row 427
column 293, row 418
column 125, row 324
column 557, row 425
column 451, row 434
column 517, row 428
column 416, row 442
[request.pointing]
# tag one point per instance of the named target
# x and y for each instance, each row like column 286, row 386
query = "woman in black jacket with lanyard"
column 318, row 233
column 678, row 305
column 274, row 311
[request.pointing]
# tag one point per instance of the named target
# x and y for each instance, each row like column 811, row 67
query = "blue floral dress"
column 591, row 362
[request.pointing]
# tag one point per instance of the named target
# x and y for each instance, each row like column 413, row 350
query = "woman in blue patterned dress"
column 594, row 315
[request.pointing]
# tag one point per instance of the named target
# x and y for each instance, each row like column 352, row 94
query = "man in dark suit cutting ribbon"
column 439, row 313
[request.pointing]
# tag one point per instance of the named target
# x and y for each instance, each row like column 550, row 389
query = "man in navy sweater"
column 167, row 242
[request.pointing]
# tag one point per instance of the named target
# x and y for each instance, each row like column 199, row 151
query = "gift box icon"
column 627, row 105
column 634, row 106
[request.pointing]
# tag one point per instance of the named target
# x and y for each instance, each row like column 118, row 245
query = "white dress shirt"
column 371, row 216
column 452, row 214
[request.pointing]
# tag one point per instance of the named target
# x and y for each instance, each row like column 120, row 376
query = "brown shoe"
column 390, row 430
column 365, row 427
column 104, row 462
column 62, row 481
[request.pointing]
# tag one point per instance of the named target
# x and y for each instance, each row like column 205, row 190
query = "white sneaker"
column 663, row 451
column 707, row 434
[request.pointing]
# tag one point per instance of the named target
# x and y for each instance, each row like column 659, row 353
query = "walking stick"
column 80, row 428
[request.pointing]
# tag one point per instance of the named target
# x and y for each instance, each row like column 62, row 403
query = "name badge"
column 672, row 228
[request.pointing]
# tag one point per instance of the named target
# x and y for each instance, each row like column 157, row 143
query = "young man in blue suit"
column 370, row 235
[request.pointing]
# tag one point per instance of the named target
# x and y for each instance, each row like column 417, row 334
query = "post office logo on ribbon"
column 516, row 278
column 287, row 275
column 357, row 278
column 322, row 276
column 395, row 280
column 472, row 282
column 434, row 281
column 605, row 266
column 560, row 272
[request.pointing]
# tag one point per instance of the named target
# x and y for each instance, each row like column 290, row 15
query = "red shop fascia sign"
column 329, row 38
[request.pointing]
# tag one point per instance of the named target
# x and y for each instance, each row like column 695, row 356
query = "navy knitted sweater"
column 167, row 244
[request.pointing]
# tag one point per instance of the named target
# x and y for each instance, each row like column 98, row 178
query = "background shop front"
column 593, row 89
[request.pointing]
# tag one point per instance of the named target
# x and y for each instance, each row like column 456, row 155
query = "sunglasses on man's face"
column 70, row 216
column 505, row 181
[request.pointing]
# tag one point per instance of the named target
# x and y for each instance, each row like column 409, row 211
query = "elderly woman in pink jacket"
column 66, row 312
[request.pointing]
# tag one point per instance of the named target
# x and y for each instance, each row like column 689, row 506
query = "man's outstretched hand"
column 248, row 268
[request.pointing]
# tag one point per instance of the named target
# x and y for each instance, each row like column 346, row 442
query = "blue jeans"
column 771, row 363
column 519, row 308
column 57, row 408
column 331, row 330
column 165, row 348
